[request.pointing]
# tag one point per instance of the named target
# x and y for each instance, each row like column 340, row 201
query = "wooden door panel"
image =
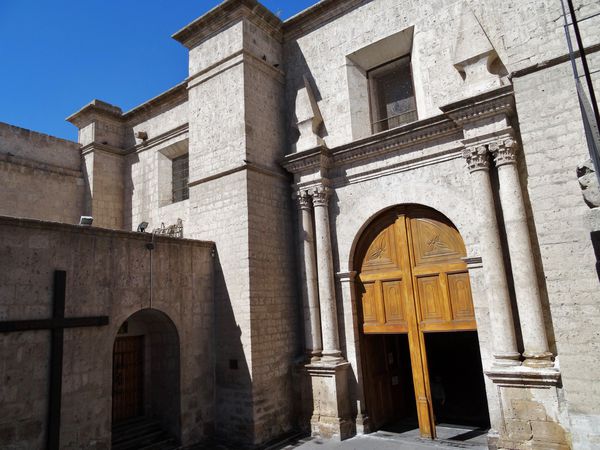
column 434, row 242
column 369, row 304
column 394, row 302
column 128, row 361
column 381, row 256
column 460, row 296
column 431, row 300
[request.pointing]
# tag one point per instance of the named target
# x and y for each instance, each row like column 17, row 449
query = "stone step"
column 140, row 434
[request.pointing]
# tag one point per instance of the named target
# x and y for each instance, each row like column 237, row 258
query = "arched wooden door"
column 412, row 280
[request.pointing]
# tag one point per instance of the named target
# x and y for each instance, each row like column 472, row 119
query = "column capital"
column 504, row 151
column 304, row 200
column 477, row 158
column 321, row 195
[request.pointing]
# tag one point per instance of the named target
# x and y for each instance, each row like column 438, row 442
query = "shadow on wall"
column 234, row 406
column 595, row 237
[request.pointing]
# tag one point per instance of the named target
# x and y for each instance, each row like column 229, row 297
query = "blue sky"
column 57, row 55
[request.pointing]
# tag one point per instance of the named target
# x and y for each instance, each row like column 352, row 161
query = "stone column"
column 331, row 340
column 533, row 329
column 503, row 329
column 309, row 267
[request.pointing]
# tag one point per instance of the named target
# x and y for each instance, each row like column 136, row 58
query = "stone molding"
column 473, row 262
column 524, row 377
column 94, row 147
column 97, row 231
column 499, row 101
column 181, row 131
column 229, row 11
column 314, row 16
column 372, row 146
column 346, row 277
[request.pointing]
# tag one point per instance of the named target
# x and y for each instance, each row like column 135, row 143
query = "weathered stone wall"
column 40, row 175
column 553, row 146
column 108, row 273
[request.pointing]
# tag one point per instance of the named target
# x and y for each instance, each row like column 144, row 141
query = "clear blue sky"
column 57, row 55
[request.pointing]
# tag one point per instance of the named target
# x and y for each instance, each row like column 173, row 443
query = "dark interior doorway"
column 390, row 391
column 456, row 379
column 128, row 378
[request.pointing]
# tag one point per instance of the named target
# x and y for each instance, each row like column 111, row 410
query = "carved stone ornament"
column 304, row 200
column 505, row 152
column 321, row 196
column 588, row 182
column 477, row 158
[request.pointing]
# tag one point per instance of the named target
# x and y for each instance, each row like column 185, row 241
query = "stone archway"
column 414, row 297
column 146, row 378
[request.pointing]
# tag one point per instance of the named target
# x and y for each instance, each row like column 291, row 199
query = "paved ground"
column 449, row 437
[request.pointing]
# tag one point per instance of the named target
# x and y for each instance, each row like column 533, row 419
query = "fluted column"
column 309, row 268
column 533, row 329
column 329, row 322
column 503, row 330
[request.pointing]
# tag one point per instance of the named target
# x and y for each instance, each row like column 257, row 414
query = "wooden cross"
column 57, row 325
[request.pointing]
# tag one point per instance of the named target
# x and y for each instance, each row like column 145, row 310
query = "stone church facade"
column 353, row 210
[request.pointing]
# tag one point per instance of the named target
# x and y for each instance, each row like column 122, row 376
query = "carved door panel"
column 128, row 373
column 412, row 279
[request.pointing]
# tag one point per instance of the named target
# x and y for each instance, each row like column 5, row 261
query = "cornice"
column 104, row 148
column 97, row 231
column 161, row 138
column 373, row 146
column 94, row 109
column 176, row 94
column 316, row 15
column 488, row 104
column 308, row 159
column 224, row 14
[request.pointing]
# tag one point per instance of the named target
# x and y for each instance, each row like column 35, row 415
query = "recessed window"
column 180, row 175
column 392, row 95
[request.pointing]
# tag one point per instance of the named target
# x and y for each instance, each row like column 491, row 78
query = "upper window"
column 392, row 95
column 180, row 175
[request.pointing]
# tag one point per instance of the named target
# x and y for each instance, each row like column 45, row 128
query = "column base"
column 363, row 424
column 538, row 360
column 507, row 359
column 331, row 402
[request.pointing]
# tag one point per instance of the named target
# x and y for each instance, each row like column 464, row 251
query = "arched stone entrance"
column 419, row 347
column 146, row 378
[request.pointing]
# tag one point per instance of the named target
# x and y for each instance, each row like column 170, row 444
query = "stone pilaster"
column 331, row 401
column 329, row 321
column 504, row 340
column 310, row 289
column 533, row 329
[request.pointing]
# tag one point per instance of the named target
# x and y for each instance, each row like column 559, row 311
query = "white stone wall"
column 553, row 145
column 40, row 176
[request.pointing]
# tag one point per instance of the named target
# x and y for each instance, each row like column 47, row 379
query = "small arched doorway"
column 146, row 374
column 419, row 343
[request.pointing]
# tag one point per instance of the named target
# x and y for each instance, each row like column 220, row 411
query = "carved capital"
column 505, row 152
column 477, row 158
column 321, row 196
column 304, row 200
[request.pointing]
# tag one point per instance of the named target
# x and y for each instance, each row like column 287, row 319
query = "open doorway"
column 390, row 390
column 457, row 382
